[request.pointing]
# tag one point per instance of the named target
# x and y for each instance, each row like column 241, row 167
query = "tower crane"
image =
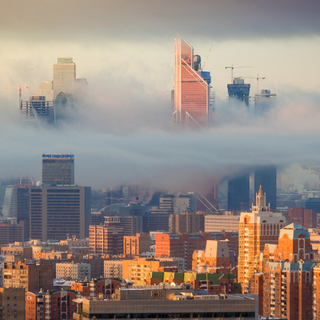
column 19, row 88
column 205, row 61
column 232, row 67
column 257, row 77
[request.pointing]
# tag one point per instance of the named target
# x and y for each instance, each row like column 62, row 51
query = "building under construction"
column 37, row 109
column 239, row 90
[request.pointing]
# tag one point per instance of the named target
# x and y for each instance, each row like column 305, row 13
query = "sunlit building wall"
column 191, row 87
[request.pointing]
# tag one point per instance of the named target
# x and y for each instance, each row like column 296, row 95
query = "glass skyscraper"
column 58, row 169
column 191, row 87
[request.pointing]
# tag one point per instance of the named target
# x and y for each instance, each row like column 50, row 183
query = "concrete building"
column 135, row 245
column 45, row 89
column 186, row 222
column 239, row 90
column 73, row 271
column 135, row 269
column 217, row 223
column 216, row 255
column 113, row 269
column 58, row 169
column 160, row 303
column 106, row 239
column 256, row 228
column 58, row 211
column 263, row 102
column 306, row 218
column 32, row 277
column 10, row 233
column 191, row 87
column 12, row 302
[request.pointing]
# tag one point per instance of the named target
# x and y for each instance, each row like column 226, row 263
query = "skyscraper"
column 58, row 169
column 64, row 75
column 58, row 211
column 191, row 87
column 264, row 102
column 238, row 193
column 267, row 178
column 239, row 90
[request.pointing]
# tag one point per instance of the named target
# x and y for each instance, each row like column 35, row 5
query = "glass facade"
column 191, row 90
column 58, row 170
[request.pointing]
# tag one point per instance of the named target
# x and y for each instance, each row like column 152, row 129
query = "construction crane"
column 19, row 88
column 258, row 78
column 205, row 61
column 232, row 67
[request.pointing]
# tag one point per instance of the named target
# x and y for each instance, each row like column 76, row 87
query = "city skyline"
column 123, row 129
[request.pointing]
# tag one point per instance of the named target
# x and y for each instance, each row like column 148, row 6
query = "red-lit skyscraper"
column 191, row 87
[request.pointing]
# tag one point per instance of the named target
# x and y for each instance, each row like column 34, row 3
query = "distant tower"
column 58, row 169
column 267, row 177
column 264, row 102
column 64, row 75
column 239, row 90
column 191, row 87
column 238, row 193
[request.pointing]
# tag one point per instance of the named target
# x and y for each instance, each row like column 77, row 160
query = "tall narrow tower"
column 256, row 228
column 191, row 87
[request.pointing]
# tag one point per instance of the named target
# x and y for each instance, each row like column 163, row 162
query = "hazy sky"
column 126, row 51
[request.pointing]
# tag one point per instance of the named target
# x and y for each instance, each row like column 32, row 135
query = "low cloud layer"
column 114, row 144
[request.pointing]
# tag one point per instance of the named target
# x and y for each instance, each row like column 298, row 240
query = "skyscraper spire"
column 260, row 201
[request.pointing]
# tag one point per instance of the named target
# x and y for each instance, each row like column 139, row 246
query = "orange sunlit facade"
column 191, row 88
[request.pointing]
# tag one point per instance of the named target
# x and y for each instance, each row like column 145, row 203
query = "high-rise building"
column 267, row 178
column 107, row 238
column 256, row 228
column 58, row 169
column 135, row 245
column 64, row 75
column 239, row 90
column 45, row 89
column 186, row 222
column 58, row 211
column 191, row 87
column 288, row 275
column 264, row 102
column 238, row 193
column 217, row 223
column 306, row 218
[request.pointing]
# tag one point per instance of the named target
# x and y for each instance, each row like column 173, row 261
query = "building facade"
column 135, row 245
column 58, row 169
column 73, row 271
column 218, row 223
column 256, row 228
column 186, row 222
column 12, row 303
column 191, row 87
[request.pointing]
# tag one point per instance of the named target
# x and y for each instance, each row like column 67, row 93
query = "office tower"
column 56, row 212
column 186, row 222
column 264, row 102
column 239, row 90
column 32, row 277
column 45, row 89
column 12, row 302
column 267, row 178
column 64, row 75
column 58, row 169
column 256, row 228
column 306, row 218
column 238, row 193
column 191, row 87
column 217, row 223
column 288, row 275
column 9, row 209
column 107, row 238
column 38, row 109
